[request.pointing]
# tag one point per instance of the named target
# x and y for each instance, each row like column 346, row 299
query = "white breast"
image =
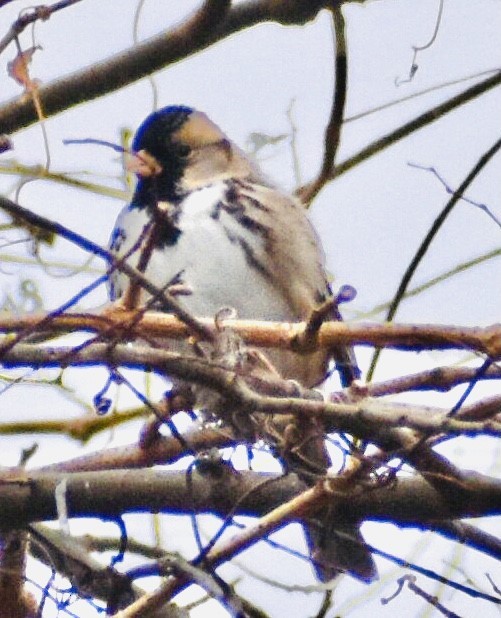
column 209, row 259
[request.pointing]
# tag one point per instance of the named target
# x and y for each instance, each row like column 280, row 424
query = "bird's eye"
column 183, row 150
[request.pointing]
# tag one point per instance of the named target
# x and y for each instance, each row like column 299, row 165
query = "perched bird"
column 204, row 218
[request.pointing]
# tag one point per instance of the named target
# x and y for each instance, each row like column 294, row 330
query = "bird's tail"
column 334, row 548
column 339, row 549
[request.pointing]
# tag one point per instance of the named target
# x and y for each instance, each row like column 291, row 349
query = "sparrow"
column 206, row 221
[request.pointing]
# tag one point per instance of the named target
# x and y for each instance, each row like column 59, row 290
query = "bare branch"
column 284, row 335
column 453, row 192
column 423, row 120
column 469, row 535
column 211, row 23
column 163, row 450
column 410, row 580
column 365, row 419
column 333, row 130
column 425, row 244
column 42, row 12
column 111, row 493
column 163, row 297
column 87, row 575
column 86, row 426
column 410, row 501
column 436, row 379
column 16, row 602
column 157, row 489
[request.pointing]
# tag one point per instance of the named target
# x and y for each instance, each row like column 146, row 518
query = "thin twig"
column 167, row 300
column 415, row 95
column 426, row 242
column 460, row 268
column 451, row 191
column 419, row 48
column 333, row 130
column 267, row 524
column 42, row 12
column 423, row 120
column 410, row 580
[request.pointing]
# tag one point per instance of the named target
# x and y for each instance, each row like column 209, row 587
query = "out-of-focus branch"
column 213, row 22
column 15, row 601
column 365, row 419
column 80, row 428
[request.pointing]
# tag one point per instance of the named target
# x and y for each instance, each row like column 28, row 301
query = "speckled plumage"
column 234, row 240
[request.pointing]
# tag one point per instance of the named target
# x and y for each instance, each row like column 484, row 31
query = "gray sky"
column 371, row 220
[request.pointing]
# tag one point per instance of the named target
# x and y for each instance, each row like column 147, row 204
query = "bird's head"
column 179, row 149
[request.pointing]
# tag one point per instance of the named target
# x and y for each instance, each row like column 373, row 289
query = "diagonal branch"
column 426, row 242
column 164, row 298
column 419, row 122
column 213, row 22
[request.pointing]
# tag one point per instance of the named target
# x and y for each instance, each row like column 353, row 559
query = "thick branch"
column 108, row 494
column 203, row 28
column 15, row 601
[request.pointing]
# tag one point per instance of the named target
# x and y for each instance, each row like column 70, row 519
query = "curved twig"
column 425, row 244
column 333, row 130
